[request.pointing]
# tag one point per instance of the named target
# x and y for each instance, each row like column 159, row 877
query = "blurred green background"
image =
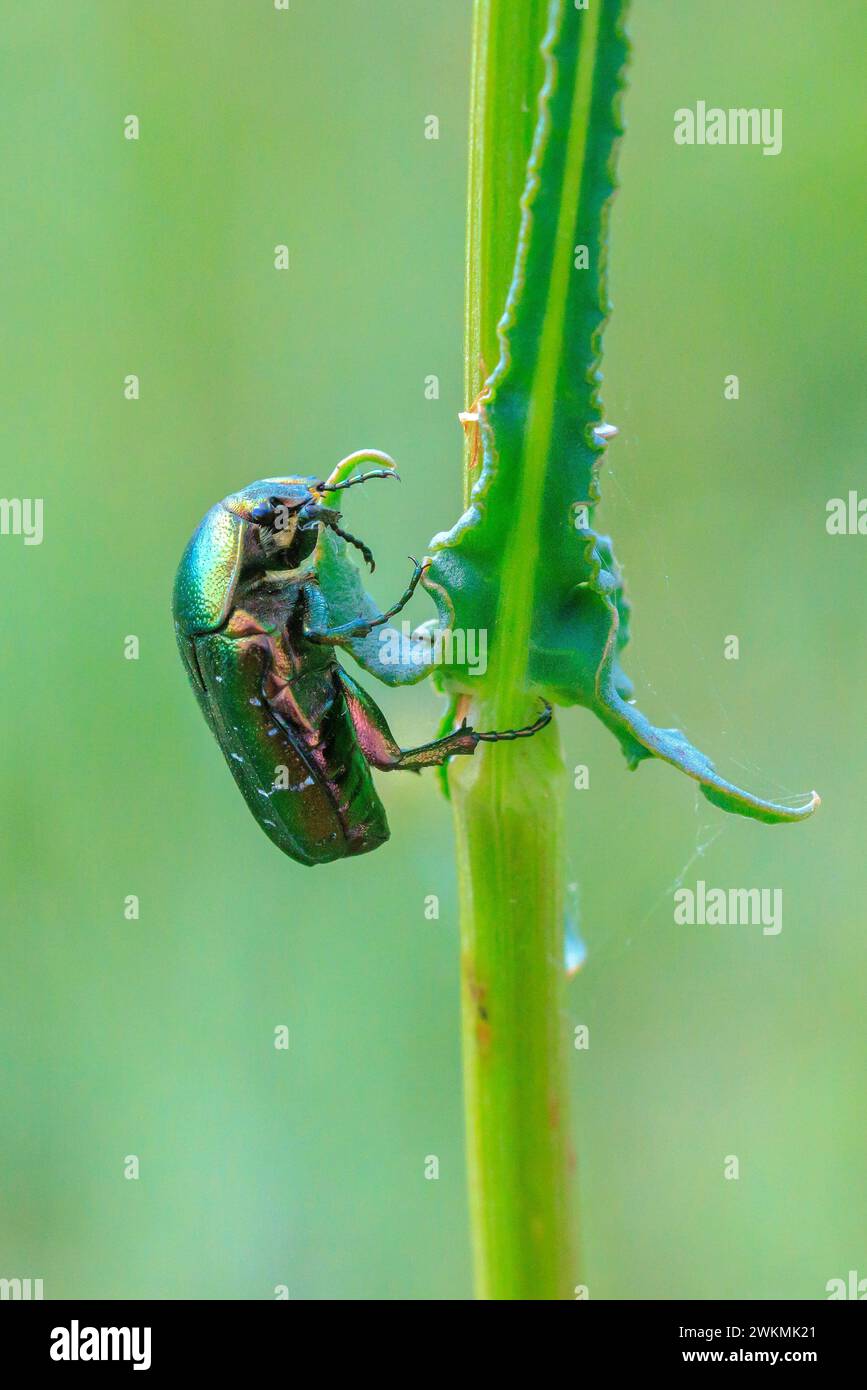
column 155, row 1037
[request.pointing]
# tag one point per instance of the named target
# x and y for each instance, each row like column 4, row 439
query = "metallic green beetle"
column 254, row 632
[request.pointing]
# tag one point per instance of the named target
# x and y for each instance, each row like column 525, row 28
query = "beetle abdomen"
column 346, row 770
column 280, row 785
column 291, row 750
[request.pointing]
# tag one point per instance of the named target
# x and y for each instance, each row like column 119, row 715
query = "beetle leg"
column 353, row 540
column 508, row 735
column 381, row 749
column 360, row 627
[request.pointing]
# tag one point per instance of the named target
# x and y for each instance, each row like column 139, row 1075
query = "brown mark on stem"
column 478, row 993
column 471, row 418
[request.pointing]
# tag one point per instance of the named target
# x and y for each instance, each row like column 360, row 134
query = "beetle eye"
column 262, row 514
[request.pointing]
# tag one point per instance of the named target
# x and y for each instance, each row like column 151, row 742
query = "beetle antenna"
column 360, row 478
column 353, row 540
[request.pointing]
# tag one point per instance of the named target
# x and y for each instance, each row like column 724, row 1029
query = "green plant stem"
column 508, row 818
column 508, row 801
column 506, row 76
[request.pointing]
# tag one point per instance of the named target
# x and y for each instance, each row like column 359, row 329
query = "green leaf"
column 524, row 562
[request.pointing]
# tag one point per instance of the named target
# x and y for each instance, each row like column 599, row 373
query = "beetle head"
column 287, row 514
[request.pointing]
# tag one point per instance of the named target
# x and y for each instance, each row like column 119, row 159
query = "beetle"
column 254, row 632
